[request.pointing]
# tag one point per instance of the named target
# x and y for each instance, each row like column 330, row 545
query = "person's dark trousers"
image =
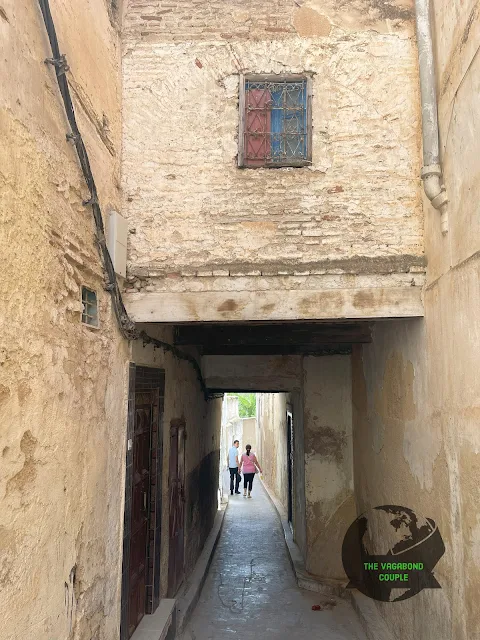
column 234, row 475
column 248, row 480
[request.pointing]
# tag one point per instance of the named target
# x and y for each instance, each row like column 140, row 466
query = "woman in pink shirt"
column 248, row 465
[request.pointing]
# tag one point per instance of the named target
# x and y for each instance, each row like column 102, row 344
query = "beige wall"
column 249, row 432
column 323, row 499
column 62, row 385
column 416, row 388
column 272, row 442
column 352, row 220
column 330, row 507
column 184, row 400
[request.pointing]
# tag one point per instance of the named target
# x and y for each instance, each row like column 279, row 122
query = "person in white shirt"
column 233, row 464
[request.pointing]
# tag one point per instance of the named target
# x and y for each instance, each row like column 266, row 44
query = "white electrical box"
column 117, row 233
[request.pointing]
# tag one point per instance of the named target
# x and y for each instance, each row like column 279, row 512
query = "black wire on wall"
column 126, row 325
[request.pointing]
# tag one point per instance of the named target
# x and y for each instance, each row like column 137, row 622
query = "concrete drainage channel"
column 365, row 608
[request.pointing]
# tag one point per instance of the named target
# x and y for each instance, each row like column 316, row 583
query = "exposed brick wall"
column 192, row 208
column 188, row 20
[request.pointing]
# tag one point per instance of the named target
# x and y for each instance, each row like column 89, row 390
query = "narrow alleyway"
column 251, row 583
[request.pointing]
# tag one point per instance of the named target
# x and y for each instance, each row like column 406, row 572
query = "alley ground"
column 251, row 592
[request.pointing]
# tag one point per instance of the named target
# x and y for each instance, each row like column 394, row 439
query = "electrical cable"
column 126, row 325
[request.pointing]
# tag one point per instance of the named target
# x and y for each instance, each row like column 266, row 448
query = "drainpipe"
column 432, row 170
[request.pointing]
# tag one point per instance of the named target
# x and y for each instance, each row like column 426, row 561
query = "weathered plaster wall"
column 249, row 432
column 184, row 399
column 416, row 388
column 323, row 500
column 296, row 403
column 399, row 456
column 230, row 408
column 62, row 385
column 330, row 504
column 351, row 220
column 272, row 442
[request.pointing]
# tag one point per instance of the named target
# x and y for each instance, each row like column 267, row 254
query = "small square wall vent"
column 90, row 307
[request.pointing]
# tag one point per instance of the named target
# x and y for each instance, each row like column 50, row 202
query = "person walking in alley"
column 233, row 464
column 249, row 465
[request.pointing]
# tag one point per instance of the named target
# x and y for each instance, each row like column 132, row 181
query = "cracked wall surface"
column 198, row 223
column 62, row 385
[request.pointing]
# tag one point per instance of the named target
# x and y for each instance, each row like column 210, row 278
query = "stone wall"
column 62, row 384
column 184, row 400
column 416, row 388
column 351, row 219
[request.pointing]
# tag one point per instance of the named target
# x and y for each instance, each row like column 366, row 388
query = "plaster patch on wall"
column 469, row 434
column 392, row 402
column 308, row 23
column 325, row 479
column 28, row 472
column 383, row 16
column 395, row 400
column 331, row 532
column 475, row 541
column 421, row 448
column 9, row 541
column 326, row 442
column 4, row 393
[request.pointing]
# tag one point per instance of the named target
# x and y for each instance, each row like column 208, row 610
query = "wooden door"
column 290, row 458
column 177, row 506
column 144, row 414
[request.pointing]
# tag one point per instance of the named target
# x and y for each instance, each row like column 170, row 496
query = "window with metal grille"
column 275, row 121
column 90, row 307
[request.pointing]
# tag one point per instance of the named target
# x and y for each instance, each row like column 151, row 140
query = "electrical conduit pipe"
column 432, row 170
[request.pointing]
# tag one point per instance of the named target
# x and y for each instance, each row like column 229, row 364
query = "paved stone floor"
column 251, row 592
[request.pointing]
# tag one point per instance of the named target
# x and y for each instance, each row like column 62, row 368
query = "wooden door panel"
column 140, row 507
column 176, row 506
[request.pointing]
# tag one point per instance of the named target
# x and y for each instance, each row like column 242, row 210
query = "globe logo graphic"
column 389, row 553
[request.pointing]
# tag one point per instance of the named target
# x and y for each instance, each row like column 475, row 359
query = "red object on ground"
column 316, row 607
